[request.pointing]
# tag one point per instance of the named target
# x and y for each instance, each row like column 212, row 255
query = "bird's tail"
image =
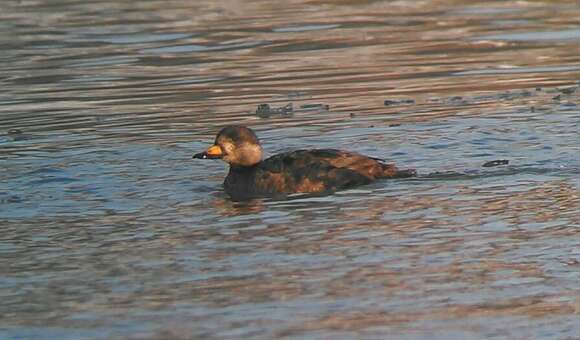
column 391, row 171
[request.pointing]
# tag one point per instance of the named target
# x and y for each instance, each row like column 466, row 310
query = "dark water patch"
column 7, row 198
column 498, row 162
column 83, row 62
column 176, row 60
column 39, row 80
column 512, row 170
column 390, row 102
column 51, row 180
column 266, row 111
column 305, row 46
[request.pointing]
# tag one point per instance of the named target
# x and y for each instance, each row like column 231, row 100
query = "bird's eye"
column 228, row 148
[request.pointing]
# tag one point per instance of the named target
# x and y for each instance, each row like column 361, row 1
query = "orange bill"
column 214, row 152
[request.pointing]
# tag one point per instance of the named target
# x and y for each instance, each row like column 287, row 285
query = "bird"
column 299, row 171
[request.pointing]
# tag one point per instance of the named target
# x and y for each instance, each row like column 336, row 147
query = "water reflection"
column 230, row 208
column 109, row 229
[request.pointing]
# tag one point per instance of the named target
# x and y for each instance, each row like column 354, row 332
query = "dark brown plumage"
column 301, row 171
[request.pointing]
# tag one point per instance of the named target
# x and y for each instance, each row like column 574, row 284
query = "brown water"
column 110, row 230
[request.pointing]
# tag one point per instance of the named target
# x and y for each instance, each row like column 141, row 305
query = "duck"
column 299, row 171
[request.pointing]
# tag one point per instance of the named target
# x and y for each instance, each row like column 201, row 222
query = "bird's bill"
column 214, row 152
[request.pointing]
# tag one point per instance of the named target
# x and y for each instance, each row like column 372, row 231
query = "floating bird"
column 300, row 171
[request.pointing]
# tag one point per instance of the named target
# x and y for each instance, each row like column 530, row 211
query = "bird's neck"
column 242, row 170
column 240, row 180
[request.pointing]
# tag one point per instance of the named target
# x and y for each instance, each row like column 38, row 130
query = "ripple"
column 539, row 36
column 103, row 61
column 203, row 48
column 136, row 38
column 305, row 28
column 516, row 70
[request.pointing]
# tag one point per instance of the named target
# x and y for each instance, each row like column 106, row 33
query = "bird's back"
column 308, row 171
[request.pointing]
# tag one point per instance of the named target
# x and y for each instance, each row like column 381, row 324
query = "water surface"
column 110, row 230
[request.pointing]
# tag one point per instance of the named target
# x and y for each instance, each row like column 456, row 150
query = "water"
column 110, row 230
